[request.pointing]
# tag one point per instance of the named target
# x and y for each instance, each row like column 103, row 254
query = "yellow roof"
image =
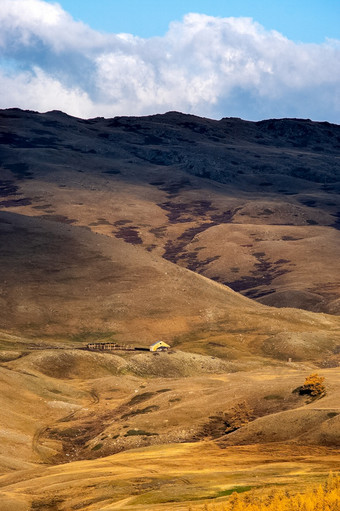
column 161, row 343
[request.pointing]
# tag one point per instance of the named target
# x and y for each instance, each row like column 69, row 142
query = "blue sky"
column 232, row 58
column 299, row 20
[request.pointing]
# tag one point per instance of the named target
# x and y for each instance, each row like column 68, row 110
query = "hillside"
column 254, row 206
column 218, row 237
column 92, row 431
column 63, row 282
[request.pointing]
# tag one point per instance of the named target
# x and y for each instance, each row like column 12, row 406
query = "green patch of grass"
column 223, row 493
column 332, row 414
column 236, row 489
column 175, row 399
column 55, row 391
column 160, row 391
column 139, row 432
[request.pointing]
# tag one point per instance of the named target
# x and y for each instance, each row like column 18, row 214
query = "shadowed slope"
column 60, row 280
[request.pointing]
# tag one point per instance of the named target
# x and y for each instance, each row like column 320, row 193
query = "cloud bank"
column 215, row 67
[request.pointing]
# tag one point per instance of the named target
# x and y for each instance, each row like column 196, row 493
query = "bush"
column 313, row 386
column 96, row 447
column 226, row 422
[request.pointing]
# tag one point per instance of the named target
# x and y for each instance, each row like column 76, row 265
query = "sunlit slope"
column 87, row 417
column 28, row 403
column 160, row 478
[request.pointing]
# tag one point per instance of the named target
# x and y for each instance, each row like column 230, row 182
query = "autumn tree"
column 313, row 386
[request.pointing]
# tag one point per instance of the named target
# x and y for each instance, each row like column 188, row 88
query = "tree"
column 313, row 386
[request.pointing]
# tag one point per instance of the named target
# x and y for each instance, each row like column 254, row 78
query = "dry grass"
column 77, row 420
column 93, row 217
column 167, row 477
column 98, row 285
column 326, row 496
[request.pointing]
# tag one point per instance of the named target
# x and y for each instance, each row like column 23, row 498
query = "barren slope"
column 65, row 282
column 252, row 205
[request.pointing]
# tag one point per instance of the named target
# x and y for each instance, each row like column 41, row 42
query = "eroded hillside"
column 253, row 206
column 93, row 431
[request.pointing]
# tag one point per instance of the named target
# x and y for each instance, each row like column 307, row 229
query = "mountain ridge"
column 227, row 199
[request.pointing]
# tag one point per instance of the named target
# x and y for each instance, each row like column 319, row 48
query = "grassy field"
column 168, row 477
column 90, row 431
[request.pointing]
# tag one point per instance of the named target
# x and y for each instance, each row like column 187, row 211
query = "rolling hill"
column 219, row 237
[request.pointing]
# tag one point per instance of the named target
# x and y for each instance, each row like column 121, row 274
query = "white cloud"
column 39, row 91
column 204, row 65
column 28, row 23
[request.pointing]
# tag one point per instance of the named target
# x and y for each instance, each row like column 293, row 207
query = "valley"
column 220, row 238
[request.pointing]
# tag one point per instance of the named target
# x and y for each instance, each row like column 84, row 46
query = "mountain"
column 94, row 214
column 219, row 237
column 252, row 205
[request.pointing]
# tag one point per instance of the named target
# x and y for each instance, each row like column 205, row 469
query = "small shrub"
column 332, row 414
column 313, row 386
column 139, row 398
column 140, row 411
column 97, row 447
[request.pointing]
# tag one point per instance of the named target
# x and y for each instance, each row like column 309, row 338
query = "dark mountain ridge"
column 252, row 205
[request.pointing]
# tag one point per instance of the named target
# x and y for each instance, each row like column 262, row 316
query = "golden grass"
column 49, row 413
column 169, row 477
column 324, row 497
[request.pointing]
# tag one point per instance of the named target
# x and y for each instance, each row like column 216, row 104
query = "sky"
column 310, row 21
column 253, row 59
